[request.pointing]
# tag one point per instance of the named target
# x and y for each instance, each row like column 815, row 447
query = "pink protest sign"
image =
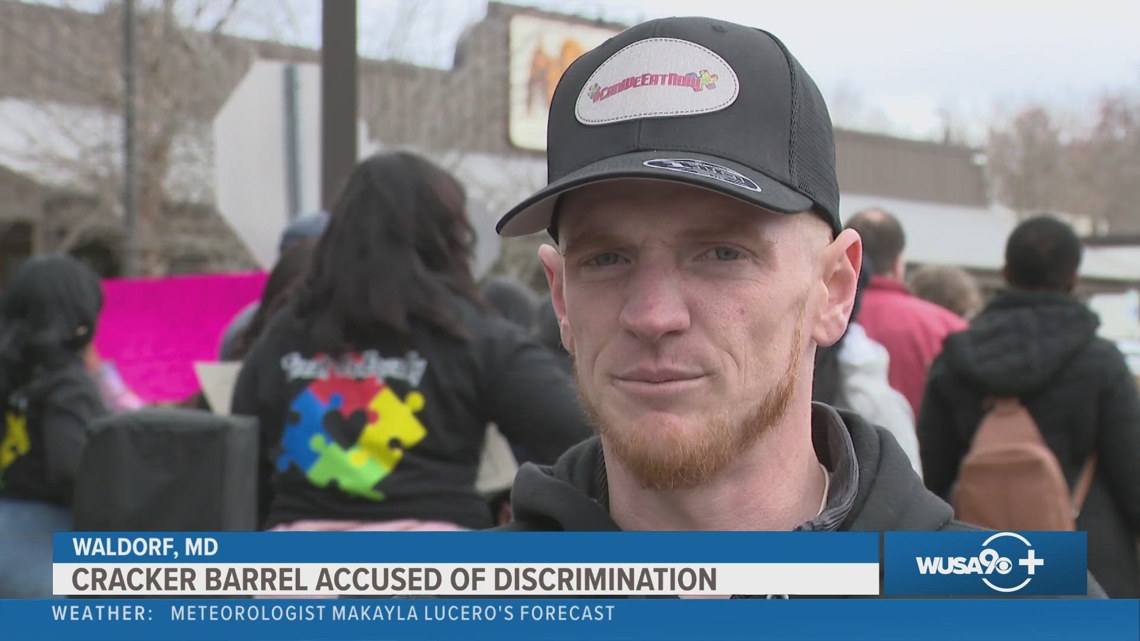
column 154, row 329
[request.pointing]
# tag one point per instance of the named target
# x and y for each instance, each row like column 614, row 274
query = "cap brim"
column 533, row 214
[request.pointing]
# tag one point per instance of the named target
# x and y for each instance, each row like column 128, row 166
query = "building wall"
column 458, row 116
column 910, row 170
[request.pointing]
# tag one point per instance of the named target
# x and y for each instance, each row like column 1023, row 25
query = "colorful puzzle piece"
column 395, row 429
column 353, row 470
column 354, row 394
column 16, row 442
column 297, row 440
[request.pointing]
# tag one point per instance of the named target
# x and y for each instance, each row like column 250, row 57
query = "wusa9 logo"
column 989, row 563
column 981, row 563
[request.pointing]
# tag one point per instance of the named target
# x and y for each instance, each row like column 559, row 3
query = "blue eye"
column 722, row 253
column 604, row 260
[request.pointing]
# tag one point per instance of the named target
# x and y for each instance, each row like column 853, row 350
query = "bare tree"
column 1086, row 166
column 849, row 110
column 960, row 125
column 448, row 114
column 1028, row 161
column 73, row 59
column 1107, row 163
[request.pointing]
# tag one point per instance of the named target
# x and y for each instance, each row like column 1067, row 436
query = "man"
column 910, row 328
column 303, row 227
column 699, row 263
column 852, row 373
column 1038, row 343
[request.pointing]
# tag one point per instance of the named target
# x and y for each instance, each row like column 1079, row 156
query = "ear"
column 841, row 262
column 554, row 265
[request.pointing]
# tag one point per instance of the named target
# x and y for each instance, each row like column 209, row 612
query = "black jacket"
column 44, row 433
column 384, row 435
column 48, row 316
column 1043, row 348
column 873, row 488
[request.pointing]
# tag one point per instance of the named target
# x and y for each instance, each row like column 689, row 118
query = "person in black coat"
column 1038, row 342
column 48, row 318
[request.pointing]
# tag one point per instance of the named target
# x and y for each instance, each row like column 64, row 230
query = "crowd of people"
column 719, row 349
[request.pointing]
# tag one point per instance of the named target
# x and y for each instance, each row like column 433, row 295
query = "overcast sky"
column 911, row 57
column 894, row 63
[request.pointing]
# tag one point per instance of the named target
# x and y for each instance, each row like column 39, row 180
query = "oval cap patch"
column 657, row 78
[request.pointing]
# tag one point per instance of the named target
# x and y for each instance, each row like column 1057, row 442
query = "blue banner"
column 985, row 563
column 570, row 620
column 467, row 547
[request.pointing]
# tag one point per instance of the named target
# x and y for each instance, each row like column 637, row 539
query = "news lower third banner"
column 453, row 564
column 564, row 586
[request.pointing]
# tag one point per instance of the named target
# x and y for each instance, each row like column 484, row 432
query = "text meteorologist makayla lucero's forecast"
column 395, row 611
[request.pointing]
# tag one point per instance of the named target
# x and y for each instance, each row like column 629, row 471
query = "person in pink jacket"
column 910, row 328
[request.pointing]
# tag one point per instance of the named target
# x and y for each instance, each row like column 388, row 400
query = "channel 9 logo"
column 985, row 563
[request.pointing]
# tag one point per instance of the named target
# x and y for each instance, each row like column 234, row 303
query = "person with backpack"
column 1030, row 421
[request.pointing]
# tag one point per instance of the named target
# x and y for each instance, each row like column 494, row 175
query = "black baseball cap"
column 694, row 100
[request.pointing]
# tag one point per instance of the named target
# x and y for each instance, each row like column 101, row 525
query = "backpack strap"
column 1084, row 484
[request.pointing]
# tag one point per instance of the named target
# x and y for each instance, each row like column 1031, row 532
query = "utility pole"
column 293, row 196
column 338, row 96
column 130, row 143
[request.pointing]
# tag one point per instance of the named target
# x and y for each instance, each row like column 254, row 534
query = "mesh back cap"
column 694, row 100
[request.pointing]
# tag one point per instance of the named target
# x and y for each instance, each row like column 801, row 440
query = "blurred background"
column 163, row 141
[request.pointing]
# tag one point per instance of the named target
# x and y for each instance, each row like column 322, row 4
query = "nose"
column 655, row 304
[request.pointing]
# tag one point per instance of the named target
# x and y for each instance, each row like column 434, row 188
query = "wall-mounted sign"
column 541, row 49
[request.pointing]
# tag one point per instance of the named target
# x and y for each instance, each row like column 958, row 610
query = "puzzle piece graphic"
column 353, row 470
column 16, row 442
column 708, row 80
column 311, row 407
column 306, row 425
column 354, row 394
column 358, row 469
column 395, row 429
column 332, row 411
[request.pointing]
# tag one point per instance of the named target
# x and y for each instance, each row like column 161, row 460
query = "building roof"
column 975, row 237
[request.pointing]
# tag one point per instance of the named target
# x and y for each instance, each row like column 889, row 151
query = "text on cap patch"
column 657, row 78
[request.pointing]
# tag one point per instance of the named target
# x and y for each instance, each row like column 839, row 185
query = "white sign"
column 540, row 51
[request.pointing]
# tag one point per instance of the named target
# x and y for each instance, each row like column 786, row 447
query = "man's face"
column 690, row 316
